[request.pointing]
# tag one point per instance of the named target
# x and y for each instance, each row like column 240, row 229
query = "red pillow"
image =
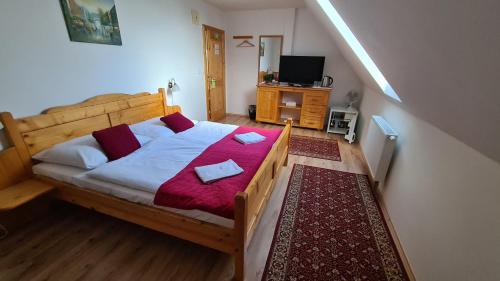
column 117, row 142
column 177, row 122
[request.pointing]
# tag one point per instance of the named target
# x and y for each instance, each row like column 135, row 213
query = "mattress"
column 158, row 161
column 80, row 178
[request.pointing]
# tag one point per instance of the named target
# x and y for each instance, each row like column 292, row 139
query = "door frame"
column 205, row 61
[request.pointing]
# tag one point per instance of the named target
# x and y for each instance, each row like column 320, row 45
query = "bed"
column 33, row 134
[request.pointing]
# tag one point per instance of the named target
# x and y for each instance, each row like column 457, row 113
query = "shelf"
column 298, row 107
column 243, row 37
column 338, row 130
column 296, row 122
column 349, row 110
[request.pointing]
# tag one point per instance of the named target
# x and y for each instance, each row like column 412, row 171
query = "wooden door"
column 215, row 72
column 267, row 105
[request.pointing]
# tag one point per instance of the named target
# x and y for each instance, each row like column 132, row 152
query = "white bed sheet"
column 148, row 168
column 80, row 178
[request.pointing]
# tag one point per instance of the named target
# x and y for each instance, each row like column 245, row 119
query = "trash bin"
column 252, row 111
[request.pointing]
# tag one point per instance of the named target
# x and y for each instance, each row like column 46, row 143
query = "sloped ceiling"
column 441, row 57
column 234, row 5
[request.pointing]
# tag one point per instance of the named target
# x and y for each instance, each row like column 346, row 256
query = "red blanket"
column 186, row 191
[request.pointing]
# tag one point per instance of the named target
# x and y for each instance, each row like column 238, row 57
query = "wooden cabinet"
column 311, row 110
column 267, row 104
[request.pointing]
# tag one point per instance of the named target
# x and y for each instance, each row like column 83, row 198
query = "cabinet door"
column 267, row 105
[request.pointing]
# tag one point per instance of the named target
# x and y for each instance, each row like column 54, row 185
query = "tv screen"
column 301, row 70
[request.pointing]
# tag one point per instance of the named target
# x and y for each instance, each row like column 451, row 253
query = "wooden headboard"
column 33, row 134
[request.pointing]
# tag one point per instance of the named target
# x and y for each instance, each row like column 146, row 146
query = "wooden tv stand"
column 312, row 110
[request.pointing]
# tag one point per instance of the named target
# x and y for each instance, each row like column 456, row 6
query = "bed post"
column 163, row 94
column 240, row 232
column 168, row 109
column 289, row 122
column 15, row 139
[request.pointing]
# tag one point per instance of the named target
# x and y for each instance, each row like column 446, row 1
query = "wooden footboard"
column 250, row 204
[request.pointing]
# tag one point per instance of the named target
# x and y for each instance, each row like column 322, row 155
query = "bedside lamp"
column 173, row 87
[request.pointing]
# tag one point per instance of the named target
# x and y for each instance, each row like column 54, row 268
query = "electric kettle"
column 327, row 81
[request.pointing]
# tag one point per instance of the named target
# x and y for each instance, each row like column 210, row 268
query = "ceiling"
column 234, row 5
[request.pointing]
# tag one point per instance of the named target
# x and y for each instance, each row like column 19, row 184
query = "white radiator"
column 380, row 144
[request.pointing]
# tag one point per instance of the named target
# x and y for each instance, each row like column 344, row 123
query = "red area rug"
column 331, row 228
column 315, row 147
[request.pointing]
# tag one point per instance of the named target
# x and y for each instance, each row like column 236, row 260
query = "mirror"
column 270, row 48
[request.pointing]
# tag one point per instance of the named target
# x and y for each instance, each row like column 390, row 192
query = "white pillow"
column 83, row 152
column 81, row 156
column 152, row 128
column 143, row 139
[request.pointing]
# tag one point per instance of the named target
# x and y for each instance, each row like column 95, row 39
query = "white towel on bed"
column 211, row 173
column 249, row 138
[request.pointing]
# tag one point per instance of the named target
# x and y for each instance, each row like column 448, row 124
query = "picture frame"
column 92, row 21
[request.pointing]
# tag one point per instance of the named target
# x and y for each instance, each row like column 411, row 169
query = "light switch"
column 195, row 17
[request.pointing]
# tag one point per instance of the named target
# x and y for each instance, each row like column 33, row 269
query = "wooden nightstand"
column 21, row 193
column 22, row 198
column 18, row 204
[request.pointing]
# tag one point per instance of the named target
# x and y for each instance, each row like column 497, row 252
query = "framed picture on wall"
column 92, row 21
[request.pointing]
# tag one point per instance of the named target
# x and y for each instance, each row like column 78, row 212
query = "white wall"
column 243, row 63
column 442, row 59
column 312, row 39
column 442, row 197
column 303, row 35
column 41, row 67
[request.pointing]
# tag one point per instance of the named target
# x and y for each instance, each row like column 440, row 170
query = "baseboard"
column 388, row 222
column 237, row 114
column 394, row 235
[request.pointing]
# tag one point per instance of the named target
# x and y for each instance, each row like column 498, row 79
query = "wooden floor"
column 77, row 244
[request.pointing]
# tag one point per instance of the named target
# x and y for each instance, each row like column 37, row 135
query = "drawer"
column 314, row 110
column 311, row 122
column 315, row 99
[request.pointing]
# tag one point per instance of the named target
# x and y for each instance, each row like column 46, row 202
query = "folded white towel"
column 249, row 138
column 211, row 173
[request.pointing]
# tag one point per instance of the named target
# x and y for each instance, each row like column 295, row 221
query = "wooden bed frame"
column 56, row 125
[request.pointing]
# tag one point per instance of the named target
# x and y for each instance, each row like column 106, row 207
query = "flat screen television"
column 301, row 70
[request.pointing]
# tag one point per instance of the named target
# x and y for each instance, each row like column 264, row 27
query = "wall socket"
column 195, row 17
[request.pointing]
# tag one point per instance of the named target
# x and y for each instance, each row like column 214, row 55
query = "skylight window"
column 360, row 52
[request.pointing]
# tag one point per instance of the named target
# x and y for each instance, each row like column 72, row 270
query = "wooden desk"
column 312, row 110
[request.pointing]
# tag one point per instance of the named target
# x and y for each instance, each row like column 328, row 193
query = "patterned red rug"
column 315, row 147
column 331, row 228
